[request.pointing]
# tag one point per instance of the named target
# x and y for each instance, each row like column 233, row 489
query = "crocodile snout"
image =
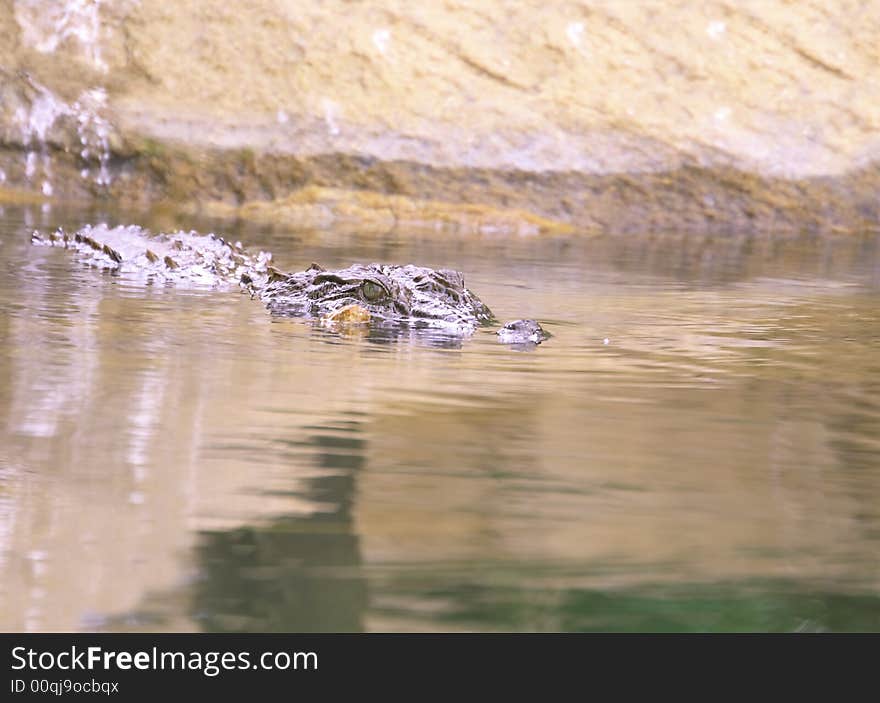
column 522, row 332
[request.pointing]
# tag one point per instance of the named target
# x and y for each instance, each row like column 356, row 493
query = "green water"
column 696, row 448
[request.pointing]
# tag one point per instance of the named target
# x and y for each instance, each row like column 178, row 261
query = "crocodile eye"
column 372, row 291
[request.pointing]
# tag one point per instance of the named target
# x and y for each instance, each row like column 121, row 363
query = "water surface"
column 696, row 448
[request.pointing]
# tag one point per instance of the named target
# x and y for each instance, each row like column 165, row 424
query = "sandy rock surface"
column 538, row 116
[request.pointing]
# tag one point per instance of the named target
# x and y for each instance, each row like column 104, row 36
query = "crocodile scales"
column 383, row 294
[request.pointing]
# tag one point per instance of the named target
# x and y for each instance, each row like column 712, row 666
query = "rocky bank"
column 486, row 115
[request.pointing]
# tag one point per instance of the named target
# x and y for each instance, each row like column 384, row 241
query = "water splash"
column 47, row 25
column 45, row 109
column 92, row 130
column 30, row 165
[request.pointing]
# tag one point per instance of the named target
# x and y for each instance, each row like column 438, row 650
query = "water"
column 696, row 448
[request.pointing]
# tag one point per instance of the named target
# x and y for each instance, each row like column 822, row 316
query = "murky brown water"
column 176, row 459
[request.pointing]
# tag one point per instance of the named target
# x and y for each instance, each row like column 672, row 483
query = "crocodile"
column 380, row 294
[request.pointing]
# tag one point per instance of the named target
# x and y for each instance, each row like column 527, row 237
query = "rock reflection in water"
column 292, row 574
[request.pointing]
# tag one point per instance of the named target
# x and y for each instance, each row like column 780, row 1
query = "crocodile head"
column 409, row 295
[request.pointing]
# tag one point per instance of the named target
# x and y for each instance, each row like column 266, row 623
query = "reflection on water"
column 294, row 574
column 696, row 448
